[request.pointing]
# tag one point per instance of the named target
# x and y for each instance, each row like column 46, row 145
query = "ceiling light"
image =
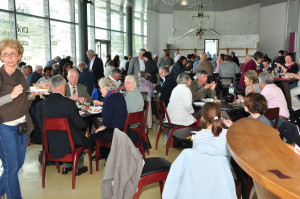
column 183, row 2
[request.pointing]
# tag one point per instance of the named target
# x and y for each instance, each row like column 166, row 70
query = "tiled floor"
column 59, row 186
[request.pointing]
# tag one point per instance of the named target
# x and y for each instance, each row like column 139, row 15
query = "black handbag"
column 22, row 128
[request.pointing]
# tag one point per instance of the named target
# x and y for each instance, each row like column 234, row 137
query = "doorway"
column 102, row 49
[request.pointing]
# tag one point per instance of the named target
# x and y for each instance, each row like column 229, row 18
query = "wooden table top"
column 259, row 151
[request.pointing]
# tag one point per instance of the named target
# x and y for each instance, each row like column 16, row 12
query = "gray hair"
column 57, row 81
column 107, row 82
column 183, row 78
column 201, row 72
column 250, row 56
column 82, row 66
column 38, row 68
column 266, row 77
column 73, row 70
column 164, row 69
column 90, row 52
column 57, row 58
column 133, row 78
column 142, row 74
column 142, row 50
column 115, row 71
column 55, row 66
column 24, row 68
column 110, row 63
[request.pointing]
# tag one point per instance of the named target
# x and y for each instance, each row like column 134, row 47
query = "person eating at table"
column 133, row 97
column 76, row 91
column 290, row 65
column 251, row 82
column 206, row 166
column 58, row 106
column 114, row 111
column 180, row 107
column 273, row 95
column 295, row 91
column 200, row 88
column 255, row 104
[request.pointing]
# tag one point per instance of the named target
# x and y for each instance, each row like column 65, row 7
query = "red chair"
column 133, row 119
column 156, row 169
column 146, row 109
column 273, row 113
column 61, row 124
column 167, row 128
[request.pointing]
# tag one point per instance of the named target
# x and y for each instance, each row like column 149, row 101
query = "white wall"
column 271, row 29
column 160, row 28
column 153, row 31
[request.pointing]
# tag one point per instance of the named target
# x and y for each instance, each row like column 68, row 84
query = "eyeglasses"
column 10, row 55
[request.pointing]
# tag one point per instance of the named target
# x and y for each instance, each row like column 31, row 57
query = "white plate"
column 208, row 100
column 34, row 89
column 199, row 103
column 94, row 112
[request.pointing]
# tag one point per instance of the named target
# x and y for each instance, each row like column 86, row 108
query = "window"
column 32, row 7
column 5, row 4
column 33, row 34
column 117, row 44
column 62, row 39
column 62, row 10
column 101, row 14
column 5, row 27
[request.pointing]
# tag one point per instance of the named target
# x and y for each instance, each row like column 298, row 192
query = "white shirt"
column 142, row 64
column 71, row 89
column 115, row 81
column 180, row 107
column 91, row 64
column 122, row 64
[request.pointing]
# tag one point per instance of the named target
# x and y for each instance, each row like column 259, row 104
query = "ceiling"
column 208, row 5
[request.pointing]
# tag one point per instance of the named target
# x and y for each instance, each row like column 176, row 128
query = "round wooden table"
column 259, row 151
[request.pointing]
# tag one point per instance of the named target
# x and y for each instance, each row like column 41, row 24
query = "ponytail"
column 211, row 114
column 216, row 126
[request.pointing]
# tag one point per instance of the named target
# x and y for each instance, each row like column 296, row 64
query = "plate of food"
column 208, row 100
column 39, row 88
column 95, row 109
column 199, row 103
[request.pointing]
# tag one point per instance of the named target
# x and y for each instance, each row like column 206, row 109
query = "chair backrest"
column 162, row 112
column 225, row 81
column 57, row 124
column 273, row 113
column 135, row 118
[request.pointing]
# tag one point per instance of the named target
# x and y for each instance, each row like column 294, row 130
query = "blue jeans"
column 12, row 153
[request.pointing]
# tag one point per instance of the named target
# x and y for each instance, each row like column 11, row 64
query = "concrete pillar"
column 129, row 35
column 83, row 32
column 297, row 50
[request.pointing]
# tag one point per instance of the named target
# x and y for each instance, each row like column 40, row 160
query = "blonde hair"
column 252, row 75
column 106, row 81
column 11, row 43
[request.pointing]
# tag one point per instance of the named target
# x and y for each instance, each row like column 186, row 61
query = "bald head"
column 203, row 56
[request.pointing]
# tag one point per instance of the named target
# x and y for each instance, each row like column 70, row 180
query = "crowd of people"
column 118, row 86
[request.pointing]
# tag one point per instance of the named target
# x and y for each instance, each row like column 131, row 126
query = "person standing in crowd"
column 150, row 67
column 234, row 58
column 63, row 61
column 85, row 77
column 16, row 121
column 137, row 64
column 53, row 61
column 95, row 66
column 253, row 64
column 165, row 60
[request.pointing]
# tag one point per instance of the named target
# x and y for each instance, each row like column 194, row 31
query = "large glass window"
column 101, row 14
column 62, row 41
column 4, row 4
column 32, row 7
column 6, row 25
column 102, row 34
column 116, row 18
column 33, row 34
column 62, row 10
column 117, row 44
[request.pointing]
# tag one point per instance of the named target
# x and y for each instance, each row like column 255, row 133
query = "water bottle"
column 231, row 89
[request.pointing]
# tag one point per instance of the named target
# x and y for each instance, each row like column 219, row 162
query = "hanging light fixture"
column 183, row 2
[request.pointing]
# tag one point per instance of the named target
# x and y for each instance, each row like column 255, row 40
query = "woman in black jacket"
column 150, row 68
column 178, row 67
